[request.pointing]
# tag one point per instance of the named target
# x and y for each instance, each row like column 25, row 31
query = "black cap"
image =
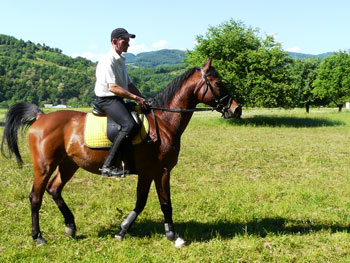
column 121, row 32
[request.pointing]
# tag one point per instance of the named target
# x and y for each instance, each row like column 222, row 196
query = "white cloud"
column 138, row 48
column 161, row 44
column 89, row 55
column 294, row 49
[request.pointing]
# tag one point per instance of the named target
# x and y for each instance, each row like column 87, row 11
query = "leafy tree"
column 304, row 73
column 253, row 69
column 333, row 79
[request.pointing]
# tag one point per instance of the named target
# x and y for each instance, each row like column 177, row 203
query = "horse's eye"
column 218, row 84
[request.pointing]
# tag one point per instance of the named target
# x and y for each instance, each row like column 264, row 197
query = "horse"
column 56, row 144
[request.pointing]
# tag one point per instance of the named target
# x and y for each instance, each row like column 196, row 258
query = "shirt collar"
column 116, row 55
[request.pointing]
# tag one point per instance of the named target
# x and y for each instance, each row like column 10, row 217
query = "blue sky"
column 83, row 27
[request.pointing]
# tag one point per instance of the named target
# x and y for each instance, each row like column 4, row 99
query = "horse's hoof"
column 119, row 237
column 170, row 235
column 71, row 230
column 180, row 243
column 41, row 241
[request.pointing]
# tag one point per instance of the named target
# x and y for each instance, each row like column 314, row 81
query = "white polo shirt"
column 111, row 69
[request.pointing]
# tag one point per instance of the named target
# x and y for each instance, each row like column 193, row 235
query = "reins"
column 183, row 110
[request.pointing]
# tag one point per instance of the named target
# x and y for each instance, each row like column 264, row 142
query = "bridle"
column 223, row 104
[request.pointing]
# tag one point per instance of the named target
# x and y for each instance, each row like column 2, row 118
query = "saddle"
column 100, row 130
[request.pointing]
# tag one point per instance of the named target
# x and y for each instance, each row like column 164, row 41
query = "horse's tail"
column 21, row 115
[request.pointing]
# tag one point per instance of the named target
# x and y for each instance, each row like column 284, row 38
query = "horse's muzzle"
column 235, row 111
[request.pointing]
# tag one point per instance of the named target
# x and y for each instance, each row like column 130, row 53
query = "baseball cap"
column 121, row 32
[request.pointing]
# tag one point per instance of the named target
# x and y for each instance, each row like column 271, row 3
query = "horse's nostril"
column 238, row 112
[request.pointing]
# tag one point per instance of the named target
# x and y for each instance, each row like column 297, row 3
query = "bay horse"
column 56, row 142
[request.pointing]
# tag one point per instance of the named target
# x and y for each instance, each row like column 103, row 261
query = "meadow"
column 271, row 187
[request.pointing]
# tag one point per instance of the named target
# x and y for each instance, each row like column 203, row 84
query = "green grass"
column 272, row 187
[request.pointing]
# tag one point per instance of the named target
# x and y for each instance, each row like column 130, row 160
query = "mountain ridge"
column 175, row 56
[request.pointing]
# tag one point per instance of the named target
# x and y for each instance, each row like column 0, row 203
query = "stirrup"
column 113, row 171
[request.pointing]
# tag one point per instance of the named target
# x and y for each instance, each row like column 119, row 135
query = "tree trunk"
column 307, row 107
column 340, row 107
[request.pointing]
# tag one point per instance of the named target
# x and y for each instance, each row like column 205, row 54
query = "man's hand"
column 142, row 102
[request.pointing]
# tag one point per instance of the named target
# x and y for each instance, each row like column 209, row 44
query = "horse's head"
column 213, row 93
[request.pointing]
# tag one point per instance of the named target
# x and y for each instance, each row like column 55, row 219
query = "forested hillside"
column 156, row 58
column 306, row 56
column 40, row 74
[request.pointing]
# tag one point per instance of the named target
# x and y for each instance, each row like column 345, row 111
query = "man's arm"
column 133, row 95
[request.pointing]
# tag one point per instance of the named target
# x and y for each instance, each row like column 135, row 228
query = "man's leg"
column 115, row 108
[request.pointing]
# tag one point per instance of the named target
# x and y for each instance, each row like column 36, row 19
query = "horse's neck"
column 176, row 123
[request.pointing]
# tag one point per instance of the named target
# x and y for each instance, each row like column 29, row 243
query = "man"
column 113, row 84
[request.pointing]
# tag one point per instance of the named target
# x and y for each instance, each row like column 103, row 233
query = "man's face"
column 122, row 44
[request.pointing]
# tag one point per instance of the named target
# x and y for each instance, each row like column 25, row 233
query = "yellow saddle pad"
column 95, row 131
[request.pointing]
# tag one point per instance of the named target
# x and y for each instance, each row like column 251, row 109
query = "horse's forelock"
column 212, row 72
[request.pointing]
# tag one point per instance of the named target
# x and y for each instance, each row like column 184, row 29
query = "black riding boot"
column 107, row 168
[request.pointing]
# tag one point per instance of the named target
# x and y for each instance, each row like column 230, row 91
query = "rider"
column 113, row 84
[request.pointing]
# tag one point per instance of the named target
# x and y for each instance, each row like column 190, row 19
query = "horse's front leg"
column 143, row 186
column 163, row 191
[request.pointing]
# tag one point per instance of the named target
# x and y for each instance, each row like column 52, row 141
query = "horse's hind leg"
column 66, row 170
column 42, row 173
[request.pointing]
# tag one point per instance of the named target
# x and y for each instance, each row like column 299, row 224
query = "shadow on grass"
column 276, row 121
column 194, row 231
column 2, row 124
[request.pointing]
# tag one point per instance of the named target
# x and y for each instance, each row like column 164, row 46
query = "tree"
column 304, row 73
column 253, row 69
column 333, row 79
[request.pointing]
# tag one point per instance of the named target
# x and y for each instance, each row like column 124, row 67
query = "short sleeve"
column 110, row 73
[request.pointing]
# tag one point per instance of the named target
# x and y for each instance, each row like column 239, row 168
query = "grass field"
column 272, row 187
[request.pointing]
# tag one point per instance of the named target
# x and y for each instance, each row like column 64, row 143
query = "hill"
column 39, row 74
column 176, row 57
column 156, row 58
column 305, row 56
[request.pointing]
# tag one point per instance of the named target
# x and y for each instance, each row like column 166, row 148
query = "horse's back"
column 58, row 120
column 57, row 129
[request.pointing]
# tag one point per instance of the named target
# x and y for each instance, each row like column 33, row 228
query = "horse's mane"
column 163, row 97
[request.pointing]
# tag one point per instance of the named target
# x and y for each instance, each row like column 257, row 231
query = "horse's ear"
column 207, row 65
